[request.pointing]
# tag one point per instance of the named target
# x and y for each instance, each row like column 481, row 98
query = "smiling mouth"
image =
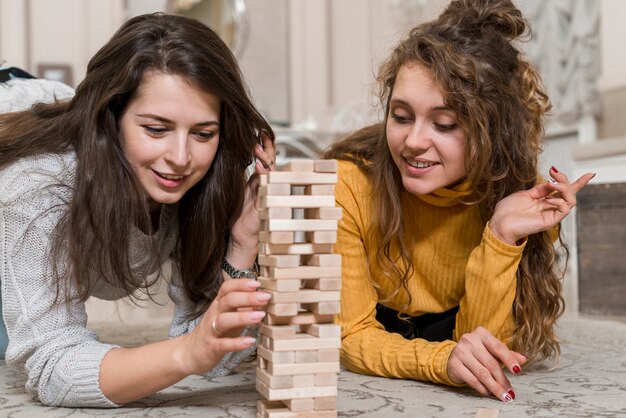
column 170, row 176
column 420, row 164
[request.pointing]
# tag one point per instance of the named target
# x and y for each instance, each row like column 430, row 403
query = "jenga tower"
column 298, row 353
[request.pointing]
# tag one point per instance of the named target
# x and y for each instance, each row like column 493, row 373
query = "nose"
column 418, row 138
column 179, row 151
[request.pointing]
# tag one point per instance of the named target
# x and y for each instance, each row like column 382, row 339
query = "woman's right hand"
column 219, row 330
column 476, row 361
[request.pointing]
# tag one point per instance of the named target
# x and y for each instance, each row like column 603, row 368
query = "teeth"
column 170, row 177
column 420, row 164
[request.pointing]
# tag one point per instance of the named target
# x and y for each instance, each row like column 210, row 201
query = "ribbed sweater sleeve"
column 452, row 267
column 48, row 338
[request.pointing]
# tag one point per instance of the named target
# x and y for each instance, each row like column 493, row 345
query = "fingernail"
column 247, row 341
column 263, row 297
column 256, row 315
column 516, row 370
column 253, row 284
column 594, row 174
column 512, row 393
column 554, row 169
column 506, row 397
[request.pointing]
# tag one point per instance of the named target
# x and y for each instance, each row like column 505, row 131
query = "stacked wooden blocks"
column 298, row 352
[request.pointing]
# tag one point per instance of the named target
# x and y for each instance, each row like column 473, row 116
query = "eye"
column 446, row 127
column 205, row 136
column 154, row 131
column 401, row 119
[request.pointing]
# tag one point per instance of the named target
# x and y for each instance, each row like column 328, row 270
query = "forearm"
column 128, row 374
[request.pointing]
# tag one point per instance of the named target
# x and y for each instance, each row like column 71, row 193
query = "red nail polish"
column 512, row 393
column 554, row 169
column 516, row 369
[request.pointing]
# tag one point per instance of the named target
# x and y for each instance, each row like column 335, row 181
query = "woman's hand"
column 538, row 209
column 245, row 232
column 476, row 360
column 220, row 328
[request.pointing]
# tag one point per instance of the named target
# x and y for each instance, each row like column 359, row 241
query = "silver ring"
column 214, row 327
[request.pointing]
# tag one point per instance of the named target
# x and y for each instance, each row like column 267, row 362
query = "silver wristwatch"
column 249, row 273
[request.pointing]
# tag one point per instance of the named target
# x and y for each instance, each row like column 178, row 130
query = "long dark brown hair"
column 500, row 103
column 107, row 198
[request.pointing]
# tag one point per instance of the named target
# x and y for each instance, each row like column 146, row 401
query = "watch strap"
column 249, row 273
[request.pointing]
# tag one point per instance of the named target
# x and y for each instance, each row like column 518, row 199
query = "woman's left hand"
column 245, row 232
column 538, row 209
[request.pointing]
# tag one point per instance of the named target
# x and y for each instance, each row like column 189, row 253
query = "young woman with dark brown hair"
column 146, row 163
column 449, row 267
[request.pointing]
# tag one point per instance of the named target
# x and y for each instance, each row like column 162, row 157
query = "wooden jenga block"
column 296, row 405
column 326, row 403
column 304, row 272
column 303, row 380
column 324, row 330
column 303, row 296
column 275, row 213
column 305, row 356
column 320, row 190
column 295, row 393
column 322, row 260
column 326, row 166
column 326, row 379
column 321, row 237
column 279, row 357
column 284, row 285
column 299, row 248
column 487, row 413
column 276, row 237
column 323, row 308
column 280, row 260
column 323, row 213
column 301, row 178
column 322, row 284
column 275, row 225
column 276, row 382
column 276, row 369
column 279, row 189
column 278, row 332
column 297, row 201
column 283, row 309
column 299, row 164
column 327, row 355
column 300, row 319
column 304, row 342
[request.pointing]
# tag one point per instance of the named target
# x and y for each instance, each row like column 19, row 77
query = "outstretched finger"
column 582, row 181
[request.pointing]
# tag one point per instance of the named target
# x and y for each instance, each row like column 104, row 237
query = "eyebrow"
column 166, row 120
column 405, row 103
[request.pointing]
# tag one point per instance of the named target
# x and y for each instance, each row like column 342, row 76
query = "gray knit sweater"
column 49, row 342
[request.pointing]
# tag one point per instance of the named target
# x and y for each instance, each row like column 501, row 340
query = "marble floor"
column 589, row 381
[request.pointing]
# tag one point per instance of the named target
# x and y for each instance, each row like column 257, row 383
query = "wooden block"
column 283, row 309
column 304, row 342
column 263, row 180
column 301, row 225
column 299, row 165
column 324, row 330
column 275, row 382
column 301, row 178
column 321, row 284
column 305, row 356
column 281, row 189
column 276, row 237
column 286, row 369
column 304, row 272
column 304, row 296
column 302, row 404
column 321, row 237
column 284, row 285
column 275, row 213
column 281, row 260
column 303, row 380
column 323, row 308
column 279, row 357
column 295, row 393
column 326, row 403
column 277, row 409
column 487, row 413
column 323, row 260
column 278, row 332
column 320, row 190
column 326, row 166
column 323, row 213
column 326, row 379
column 327, row 355
column 300, row 319
column 300, row 248
column 297, row 201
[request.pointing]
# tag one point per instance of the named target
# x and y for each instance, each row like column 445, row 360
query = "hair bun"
column 502, row 16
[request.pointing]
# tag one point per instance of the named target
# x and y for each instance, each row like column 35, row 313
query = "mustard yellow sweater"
column 457, row 261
